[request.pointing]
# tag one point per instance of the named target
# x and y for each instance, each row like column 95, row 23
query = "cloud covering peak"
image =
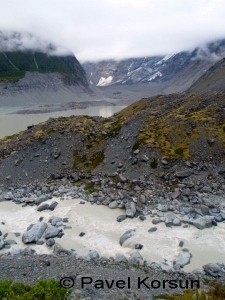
column 103, row 29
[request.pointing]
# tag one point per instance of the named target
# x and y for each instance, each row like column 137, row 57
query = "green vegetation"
column 42, row 290
column 154, row 163
column 136, row 145
column 216, row 292
column 13, row 65
column 179, row 151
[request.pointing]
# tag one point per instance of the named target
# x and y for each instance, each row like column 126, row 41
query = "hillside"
column 14, row 65
column 39, row 73
column 212, row 80
column 156, row 134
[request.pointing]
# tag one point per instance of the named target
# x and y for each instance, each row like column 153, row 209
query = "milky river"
column 102, row 233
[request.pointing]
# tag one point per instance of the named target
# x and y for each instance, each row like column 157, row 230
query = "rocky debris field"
column 188, row 205
column 28, row 267
column 162, row 158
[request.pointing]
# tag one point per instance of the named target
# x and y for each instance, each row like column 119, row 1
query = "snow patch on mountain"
column 105, row 81
column 154, row 76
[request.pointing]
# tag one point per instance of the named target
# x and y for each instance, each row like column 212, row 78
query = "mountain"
column 32, row 75
column 143, row 77
column 212, row 80
column 14, row 65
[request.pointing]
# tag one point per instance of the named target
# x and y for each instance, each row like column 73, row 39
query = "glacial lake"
column 11, row 123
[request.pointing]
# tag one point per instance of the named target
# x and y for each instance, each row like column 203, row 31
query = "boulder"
column 34, row 233
column 59, row 250
column 93, row 255
column 120, row 258
column 2, row 243
column 163, row 207
column 43, row 206
column 126, row 235
column 183, row 174
column 50, row 242
column 169, row 220
column 138, row 246
column 130, row 209
column 51, row 232
column 202, row 210
column 212, row 269
column 183, row 258
column 202, row 222
column 153, row 229
column 136, row 258
column 176, row 221
column 41, row 199
column 121, row 218
column 53, row 205
column 156, row 221
column 55, row 220
column 113, row 204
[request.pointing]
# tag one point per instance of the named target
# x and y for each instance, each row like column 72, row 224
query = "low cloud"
column 103, row 29
column 22, row 41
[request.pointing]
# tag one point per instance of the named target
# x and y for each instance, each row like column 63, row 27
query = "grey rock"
column 120, row 258
column 53, row 205
column 93, row 255
column 202, row 222
column 43, row 206
column 136, row 257
column 128, row 234
column 142, row 218
column 212, row 269
column 183, row 258
column 59, row 250
column 51, row 232
column 176, row 222
column 138, row 246
column 169, row 220
column 153, row 229
column 113, row 204
column 2, row 243
column 122, row 178
column 50, row 242
column 55, row 220
column 181, row 244
column 156, row 221
column 121, row 218
column 202, row 210
column 34, row 233
column 82, row 234
column 163, row 207
column 183, row 174
column 144, row 158
column 10, row 242
column 130, row 209
column 40, row 242
column 143, row 199
column 218, row 218
column 41, row 199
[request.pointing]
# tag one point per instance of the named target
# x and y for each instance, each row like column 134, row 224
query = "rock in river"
column 34, row 233
column 126, row 235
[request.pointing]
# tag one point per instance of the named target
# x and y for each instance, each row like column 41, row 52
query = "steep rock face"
column 212, row 80
column 38, row 75
column 14, row 65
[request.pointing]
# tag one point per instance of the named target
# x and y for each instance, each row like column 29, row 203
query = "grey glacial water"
column 102, row 233
column 13, row 123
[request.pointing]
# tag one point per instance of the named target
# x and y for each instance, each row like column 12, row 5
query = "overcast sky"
column 102, row 29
